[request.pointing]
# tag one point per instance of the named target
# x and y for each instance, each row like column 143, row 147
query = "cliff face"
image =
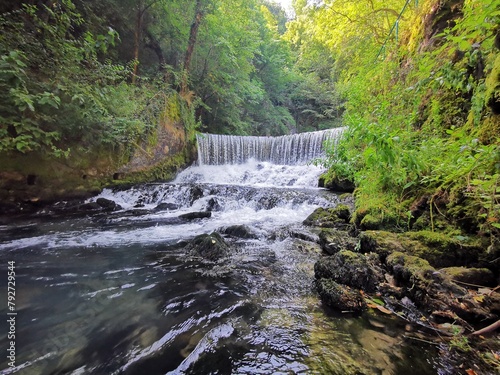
column 32, row 180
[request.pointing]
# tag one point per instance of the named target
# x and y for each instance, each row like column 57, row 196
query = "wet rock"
column 108, row 204
column 195, row 193
column 349, row 268
column 209, row 246
column 91, row 206
column 213, row 205
column 339, row 297
column 476, row 276
column 332, row 241
column 240, row 231
column 195, row 215
column 166, row 207
column 337, row 217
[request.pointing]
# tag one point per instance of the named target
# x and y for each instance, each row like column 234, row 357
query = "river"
column 118, row 293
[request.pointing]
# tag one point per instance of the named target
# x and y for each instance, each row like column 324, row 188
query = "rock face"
column 209, row 246
column 339, row 297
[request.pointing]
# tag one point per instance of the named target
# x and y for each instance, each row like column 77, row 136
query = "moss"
column 411, row 269
column 329, row 217
column 492, row 94
column 476, row 276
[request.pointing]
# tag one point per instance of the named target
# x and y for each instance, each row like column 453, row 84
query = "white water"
column 296, row 149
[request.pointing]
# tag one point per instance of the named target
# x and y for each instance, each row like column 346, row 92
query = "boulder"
column 108, row 204
column 349, row 268
column 339, row 297
column 439, row 249
column 337, row 217
column 209, row 246
column 240, row 231
column 332, row 241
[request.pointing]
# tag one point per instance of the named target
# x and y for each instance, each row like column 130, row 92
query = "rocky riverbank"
column 444, row 287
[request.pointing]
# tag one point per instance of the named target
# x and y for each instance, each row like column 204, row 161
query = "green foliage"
column 417, row 119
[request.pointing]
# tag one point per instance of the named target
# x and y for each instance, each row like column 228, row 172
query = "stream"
column 117, row 292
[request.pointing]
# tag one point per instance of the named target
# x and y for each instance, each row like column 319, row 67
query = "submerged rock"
column 209, row 246
column 339, row 297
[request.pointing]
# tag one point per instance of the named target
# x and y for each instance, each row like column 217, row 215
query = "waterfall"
column 217, row 149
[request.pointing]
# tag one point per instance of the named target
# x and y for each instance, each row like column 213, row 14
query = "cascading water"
column 120, row 293
column 215, row 149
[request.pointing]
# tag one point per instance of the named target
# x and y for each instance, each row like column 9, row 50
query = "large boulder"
column 349, row 268
column 339, row 297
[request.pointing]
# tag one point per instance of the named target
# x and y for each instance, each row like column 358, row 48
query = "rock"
column 213, row 205
column 108, row 204
column 209, row 246
column 195, row 215
column 166, row 207
column 339, row 297
column 336, row 183
column 195, row 193
column 332, row 241
column 91, row 206
column 349, row 268
column 240, row 231
column 439, row 249
column 476, row 276
column 337, row 217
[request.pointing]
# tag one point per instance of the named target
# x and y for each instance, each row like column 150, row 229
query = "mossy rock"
column 380, row 242
column 348, row 268
column 439, row 249
column 410, row 269
column 475, row 276
column 340, row 297
column 337, row 217
column 209, row 246
column 373, row 220
column 332, row 241
column 336, row 183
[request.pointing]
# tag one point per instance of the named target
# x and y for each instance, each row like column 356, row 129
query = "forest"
column 415, row 83
column 92, row 93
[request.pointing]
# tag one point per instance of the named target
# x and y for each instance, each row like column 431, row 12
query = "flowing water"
column 118, row 293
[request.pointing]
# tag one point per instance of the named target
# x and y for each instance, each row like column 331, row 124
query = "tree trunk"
column 154, row 45
column 198, row 16
column 137, row 39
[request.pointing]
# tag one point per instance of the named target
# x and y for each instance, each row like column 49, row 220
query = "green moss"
column 492, row 94
column 411, row 269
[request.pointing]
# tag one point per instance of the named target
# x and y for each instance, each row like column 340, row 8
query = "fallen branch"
column 490, row 328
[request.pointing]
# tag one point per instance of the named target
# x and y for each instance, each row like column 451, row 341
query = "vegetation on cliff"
column 421, row 106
